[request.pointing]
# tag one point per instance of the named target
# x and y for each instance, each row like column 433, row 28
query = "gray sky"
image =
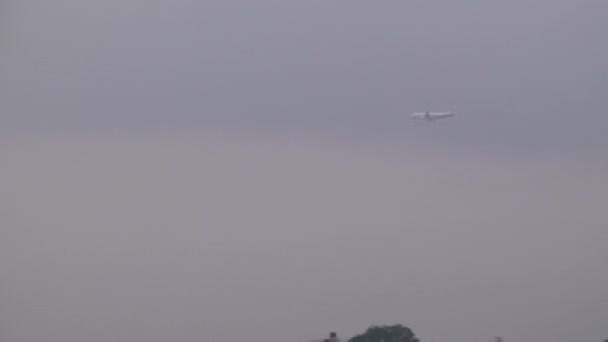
column 212, row 170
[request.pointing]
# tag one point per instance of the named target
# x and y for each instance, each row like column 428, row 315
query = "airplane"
column 430, row 116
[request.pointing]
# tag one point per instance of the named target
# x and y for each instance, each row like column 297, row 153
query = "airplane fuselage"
column 432, row 116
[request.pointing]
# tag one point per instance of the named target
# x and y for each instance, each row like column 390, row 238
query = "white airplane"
column 430, row 116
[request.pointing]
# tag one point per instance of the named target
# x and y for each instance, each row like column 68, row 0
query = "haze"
column 247, row 170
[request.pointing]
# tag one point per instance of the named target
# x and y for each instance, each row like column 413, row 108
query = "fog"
column 247, row 170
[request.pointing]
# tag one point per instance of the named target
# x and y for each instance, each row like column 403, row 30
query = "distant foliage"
column 392, row 333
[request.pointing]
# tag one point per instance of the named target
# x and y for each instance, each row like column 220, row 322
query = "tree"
column 392, row 333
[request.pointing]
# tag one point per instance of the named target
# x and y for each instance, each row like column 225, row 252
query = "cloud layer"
column 245, row 238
